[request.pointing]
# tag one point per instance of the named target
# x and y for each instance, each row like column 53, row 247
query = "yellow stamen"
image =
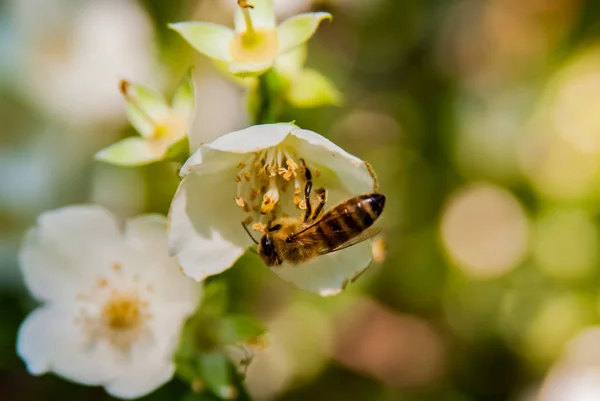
column 240, row 201
column 259, row 227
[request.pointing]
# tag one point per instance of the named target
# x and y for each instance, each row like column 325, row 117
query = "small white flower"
column 113, row 303
column 246, row 175
column 253, row 46
column 162, row 126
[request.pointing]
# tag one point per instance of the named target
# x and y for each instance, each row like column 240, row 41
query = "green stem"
column 268, row 99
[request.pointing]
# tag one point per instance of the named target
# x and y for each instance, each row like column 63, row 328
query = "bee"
column 298, row 240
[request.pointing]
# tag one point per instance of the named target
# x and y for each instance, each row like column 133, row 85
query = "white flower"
column 253, row 46
column 244, row 173
column 113, row 303
column 162, row 126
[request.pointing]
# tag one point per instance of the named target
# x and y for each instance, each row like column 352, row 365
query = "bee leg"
column 307, row 189
column 373, row 176
column 322, row 197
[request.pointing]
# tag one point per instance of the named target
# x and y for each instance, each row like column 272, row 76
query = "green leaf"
column 132, row 151
column 234, row 329
column 215, row 298
column 215, row 370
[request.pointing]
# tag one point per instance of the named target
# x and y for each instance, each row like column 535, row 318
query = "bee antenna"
column 249, row 234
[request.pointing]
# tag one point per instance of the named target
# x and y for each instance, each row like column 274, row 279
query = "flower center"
column 119, row 317
column 169, row 128
column 262, row 177
column 254, row 47
column 122, row 312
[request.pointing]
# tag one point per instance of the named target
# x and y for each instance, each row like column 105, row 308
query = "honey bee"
column 298, row 240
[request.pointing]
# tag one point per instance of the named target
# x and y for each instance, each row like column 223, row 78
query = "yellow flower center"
column 122, row 312
column 262, row 178
column 254, row 47
column 120, row 318
column 170, row 127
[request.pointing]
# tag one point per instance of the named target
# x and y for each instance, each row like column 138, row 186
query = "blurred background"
column 482, row 119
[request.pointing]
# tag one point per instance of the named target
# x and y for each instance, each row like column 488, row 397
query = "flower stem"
column 265, row 105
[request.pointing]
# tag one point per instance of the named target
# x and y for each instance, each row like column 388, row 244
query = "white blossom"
column 252, row 47
column 249, row 175
column 113, row 303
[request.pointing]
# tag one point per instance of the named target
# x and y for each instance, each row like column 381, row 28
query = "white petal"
column 146, row 237
column 262, row 15
column 328, row 274
column 247, row 70
column 209, row 39
column 151, row 366
column 50, row 340
column 184, row 99
column 290, row 64
column 132, row 151
column 351, row 171
column 252, row 139
column 298, row 29
column 145, row 380
column 64, row 254
column 310, row 88
column 145, row 107
column 205, row 231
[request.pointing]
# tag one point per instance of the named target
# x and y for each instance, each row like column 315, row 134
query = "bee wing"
column 363, row 236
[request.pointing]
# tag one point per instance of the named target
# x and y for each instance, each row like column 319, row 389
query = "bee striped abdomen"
column 348, row 219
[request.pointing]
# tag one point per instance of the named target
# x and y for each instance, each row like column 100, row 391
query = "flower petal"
column 145, row 107
column 212, row 40
column 298, row 29
column 247, row 70
column 146, row 237
column 132, row 151
column 67, row 249
column 50, row 340
column 328, row 274
column 205, row 232
column 184, row 99
column 350, row 172
column 143, row 381
column 312, row 89
column 262, row 15
column 252, row 139
column 290, row 64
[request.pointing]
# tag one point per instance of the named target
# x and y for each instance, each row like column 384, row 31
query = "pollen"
column 122, row 312
column 268, row 204
column 259, row 227
column 262, row 180
column 240, row 201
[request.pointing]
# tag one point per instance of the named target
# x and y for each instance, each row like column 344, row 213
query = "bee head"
column 267, row 252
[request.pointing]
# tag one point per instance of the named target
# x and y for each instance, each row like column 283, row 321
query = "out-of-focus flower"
column 302, row 87
column 113, row 303
column 399, row 350
column 249, row 176
column 299, row 342
column 162, row 127
column 576, row 376
column 251, row 49
column 71, row 53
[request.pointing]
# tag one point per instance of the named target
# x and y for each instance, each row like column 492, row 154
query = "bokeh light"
column 484, row 230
